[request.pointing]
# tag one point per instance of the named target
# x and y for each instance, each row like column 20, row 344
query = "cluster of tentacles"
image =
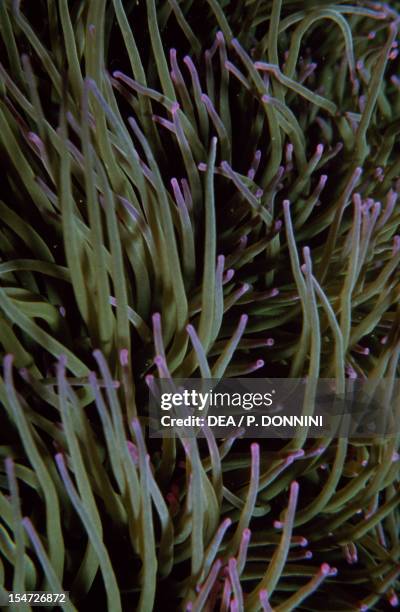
column 195, row 188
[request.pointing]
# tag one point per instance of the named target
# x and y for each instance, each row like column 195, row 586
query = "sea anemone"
column 195, row 189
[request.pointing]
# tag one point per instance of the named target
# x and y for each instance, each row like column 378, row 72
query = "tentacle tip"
column 59, row 457
column 229, row 274
column 294, row 487
column 8, row 359
column 393, row 600
column 124, row 357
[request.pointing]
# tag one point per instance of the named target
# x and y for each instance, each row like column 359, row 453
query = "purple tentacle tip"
column 124, row 357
